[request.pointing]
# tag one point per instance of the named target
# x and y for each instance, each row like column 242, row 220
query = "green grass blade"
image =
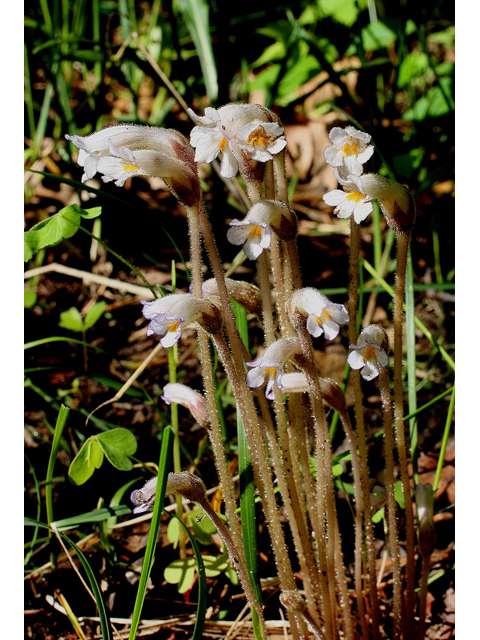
column 195, row 14
column 444, row 440
column 202, row 585
column 411, row 362
column 97, row 515
column 102, row 610
column 32, row 542
column 61, row 419
column 247, row 490
column 163, row 469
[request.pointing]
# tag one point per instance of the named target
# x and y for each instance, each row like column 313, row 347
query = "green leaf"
column 173, row 532
column 181, row 572
column 343, row 11
column 29, row 298
column 94, row 314
column 71, row 320
column 118, row 444
column 379, row 516
column 414, row 64
column 398, row 490
column 377, row 35
column 89, row 458
column 433, row 104
column 54, row 229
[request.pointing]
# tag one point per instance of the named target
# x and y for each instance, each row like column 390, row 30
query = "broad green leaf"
column 433, row 104
column 377, row 35
column 54, row 229
column 414, row 64
column 94, row 314
column 173, row 531
column 181, row 572
column 89, row 458
column 29, row 298
column 118, row 444
column 343, row 11
column 379, row 516
column 71, row 320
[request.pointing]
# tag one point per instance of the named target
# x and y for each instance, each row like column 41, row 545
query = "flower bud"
column 332, row 394
column 424, row 498
column 395, row 201
column 245, row 293
column 175, row 392
column 293, row 601
column 187, row 485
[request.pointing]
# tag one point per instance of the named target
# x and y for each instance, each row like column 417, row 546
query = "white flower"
column 260, row 140
column 145, row 496
column 268, row 367
column 322, row 315
column 234, row 129
column 168, row 315
column 254, row 232
column 351, row 201
column 175, row 392
column 349, row 148
column 126, row 151
column 370, row 352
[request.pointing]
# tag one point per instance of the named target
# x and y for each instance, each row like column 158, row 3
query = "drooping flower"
column 370, row 352
column 268, row 367
column 235, row 130
column 396, row 202
column 168, row 316
column 294, row 382
column 175, row 392
column 125, row 151
column 254, row 232
column 351, row 201
column 245, row 293
column 349, row 148
column 322, row 316
column 145, row 496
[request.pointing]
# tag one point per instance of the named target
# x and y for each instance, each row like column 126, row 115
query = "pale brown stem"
column 391, row 504
column 358, row 519
column 215, row 430
column 362, row 443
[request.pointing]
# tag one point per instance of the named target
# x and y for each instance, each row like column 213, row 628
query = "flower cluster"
column 347, row 154
column 239, row 131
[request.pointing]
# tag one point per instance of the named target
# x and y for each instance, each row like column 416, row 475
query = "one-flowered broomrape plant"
column 321, row 315
column 349, row 149
column 124, row 151
column 269, row 366
column 168, row 316
column 352, row 201
column 254, row 232
column 370, row 352
column 239, row 131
